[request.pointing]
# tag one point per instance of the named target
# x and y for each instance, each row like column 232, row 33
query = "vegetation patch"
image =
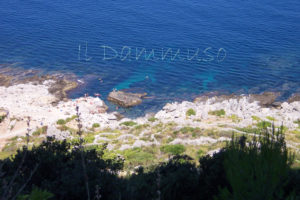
column 264, row 124
column 255, row 118
column 61, row 122
column 271, row 118
column 152, row 119
column 96, row 125
column 190, row 112
column 189, row 130
column 218, row 113
column 2, row 117
column 297, row 122
column 248, row 129
column 175, row 149
column 137, row 156
column 71, row 118
column 235, row 118
column 39, row 131
column 129, row 123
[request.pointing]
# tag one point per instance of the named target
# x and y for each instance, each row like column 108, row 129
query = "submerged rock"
column 126, row 99
column 5, row 80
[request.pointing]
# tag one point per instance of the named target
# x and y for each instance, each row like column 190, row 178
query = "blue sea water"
column 173, row 50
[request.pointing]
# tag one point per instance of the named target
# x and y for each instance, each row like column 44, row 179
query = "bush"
column 61, row 122
column 71, row 118
column 2, row 118
column 129, row 123
column 270, row 118
column 235, row 118
column 175, row 149
column 152, row 119
column 218, row 113
column 96, row 125
column 264, row 124
column 39, row 131
column 89, row 139
column 36, row 194
column 137, row 156
column 190, row 112
column 60, row 171
column 258, row 170
column 255, row 118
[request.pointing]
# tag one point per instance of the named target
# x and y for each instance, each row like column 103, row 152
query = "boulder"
column 126, row 99
column 265, row 99
column 295, row 97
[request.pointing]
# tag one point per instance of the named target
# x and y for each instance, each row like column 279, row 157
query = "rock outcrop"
column 126, row 99
column 265, row 99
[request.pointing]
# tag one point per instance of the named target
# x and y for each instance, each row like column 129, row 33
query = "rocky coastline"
column 44, row 100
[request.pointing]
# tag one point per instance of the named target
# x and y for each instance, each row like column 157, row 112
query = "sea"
column 174, row 50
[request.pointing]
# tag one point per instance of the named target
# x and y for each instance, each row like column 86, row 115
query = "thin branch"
column 81, row 153
column 24, row 185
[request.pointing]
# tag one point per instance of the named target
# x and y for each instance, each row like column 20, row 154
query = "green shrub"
column 175, row 149
column 190, row 112
column 152, row 119
column 96, row 125
column 256, row 171
column 39, row 131
column 218, row 113
column 36, row 194
column 264, row 124
column 137, row 156
column 89, row 139
column 129, row 123
column 61, row 122
column 255, row 118
column 188, row 129
column 71, row 118
column 2, row 118
column 297, row 122
column 270, row 118
column 235, row 118
column 248, row 129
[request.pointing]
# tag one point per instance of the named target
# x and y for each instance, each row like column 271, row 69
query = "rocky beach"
column 44, row 101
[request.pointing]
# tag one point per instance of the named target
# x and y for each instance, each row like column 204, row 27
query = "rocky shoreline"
column 44, row 100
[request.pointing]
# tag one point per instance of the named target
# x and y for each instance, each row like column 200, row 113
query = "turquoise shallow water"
column 191, row 47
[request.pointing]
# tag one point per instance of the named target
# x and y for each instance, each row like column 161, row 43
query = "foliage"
column 271, row 118
column 137, row 156
column 61, row 122
column 60, row 170
column 218, row 113
column 96, row 125
column 190, row 112
column 39, row 131
column 255, row 118
column 189, row 130
column 257, row 169
column 245, row 169
column 152, row 119
column 89, row 139
column 2, row 117
column 297, row 122
column 71, row 118
column 129, row 123
column 235, row 118
column 175, row 149
column 264, row 124
column 36, row 194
